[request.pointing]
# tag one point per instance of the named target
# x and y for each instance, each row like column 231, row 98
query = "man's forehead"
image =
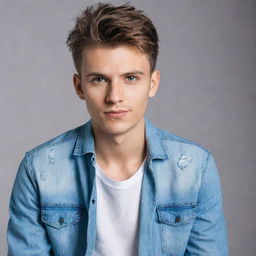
column 121, row 59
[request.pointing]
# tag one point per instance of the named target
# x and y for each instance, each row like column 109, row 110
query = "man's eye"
column 98, row 79
column 131, row 78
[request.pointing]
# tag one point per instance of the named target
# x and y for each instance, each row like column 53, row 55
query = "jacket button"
column 177, row 219
column 61, row 220
column 93, row 201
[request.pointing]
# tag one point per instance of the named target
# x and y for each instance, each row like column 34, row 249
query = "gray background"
column 207, row 94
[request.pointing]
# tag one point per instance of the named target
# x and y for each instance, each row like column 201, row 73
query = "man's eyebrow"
column 94, row 74
column 133, row 72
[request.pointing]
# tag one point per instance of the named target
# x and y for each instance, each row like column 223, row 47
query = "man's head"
column 115, row 51
column 108, row 25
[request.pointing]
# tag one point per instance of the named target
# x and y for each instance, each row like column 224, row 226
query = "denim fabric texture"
column 54, row 201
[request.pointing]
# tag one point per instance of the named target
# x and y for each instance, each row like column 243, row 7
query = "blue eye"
column 131, row 78
column 99, row 80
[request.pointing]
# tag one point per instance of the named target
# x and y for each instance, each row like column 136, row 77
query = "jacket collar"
column 85, row 141
column 155, row 146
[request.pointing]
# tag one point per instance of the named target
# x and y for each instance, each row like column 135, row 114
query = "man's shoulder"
column 173, row 141
column 184, row 154
column 63, row 140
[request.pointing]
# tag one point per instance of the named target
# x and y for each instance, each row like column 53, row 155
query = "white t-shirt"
column 117, row 214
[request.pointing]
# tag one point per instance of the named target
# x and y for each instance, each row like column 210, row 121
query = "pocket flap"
column 176, row 215
column 59, row 217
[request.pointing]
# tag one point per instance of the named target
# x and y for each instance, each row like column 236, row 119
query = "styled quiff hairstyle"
column 107, row 25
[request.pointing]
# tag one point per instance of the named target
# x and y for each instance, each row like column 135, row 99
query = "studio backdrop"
column 207, row 92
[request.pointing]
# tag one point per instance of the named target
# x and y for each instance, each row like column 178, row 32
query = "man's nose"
column 114, row 92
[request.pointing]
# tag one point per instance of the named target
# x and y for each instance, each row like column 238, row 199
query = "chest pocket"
column 61, row 216
column 175, row 226
column 65, row 225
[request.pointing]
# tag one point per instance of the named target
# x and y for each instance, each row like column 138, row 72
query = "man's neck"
column 121, row 155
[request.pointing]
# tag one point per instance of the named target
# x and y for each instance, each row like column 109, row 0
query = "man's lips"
column 116, row 113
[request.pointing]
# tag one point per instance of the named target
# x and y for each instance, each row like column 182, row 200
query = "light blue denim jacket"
column 54, row 201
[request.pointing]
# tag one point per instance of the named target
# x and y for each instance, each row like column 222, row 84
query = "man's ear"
column 154, row 83
column 78, row 86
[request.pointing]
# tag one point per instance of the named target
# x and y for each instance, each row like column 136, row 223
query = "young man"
column 116, row 185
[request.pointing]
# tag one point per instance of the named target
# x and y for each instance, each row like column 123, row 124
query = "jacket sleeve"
column 209, row 235
column 26, row 234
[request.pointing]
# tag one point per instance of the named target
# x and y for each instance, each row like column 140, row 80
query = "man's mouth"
column 116, row 113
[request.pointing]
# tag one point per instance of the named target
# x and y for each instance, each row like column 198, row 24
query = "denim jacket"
column 54, row 201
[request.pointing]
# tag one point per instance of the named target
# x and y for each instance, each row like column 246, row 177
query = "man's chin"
column 115, row 131
column 114, row 128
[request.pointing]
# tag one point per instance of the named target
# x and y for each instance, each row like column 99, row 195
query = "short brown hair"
column 108, row 25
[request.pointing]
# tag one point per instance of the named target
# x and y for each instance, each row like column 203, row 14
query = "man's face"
column 115, row 83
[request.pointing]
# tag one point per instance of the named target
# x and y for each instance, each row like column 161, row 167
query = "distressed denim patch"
column 51, row 156
column 184, row 161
